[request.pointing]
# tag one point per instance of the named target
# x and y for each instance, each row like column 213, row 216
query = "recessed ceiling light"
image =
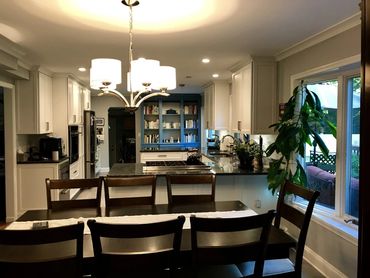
column 82, row 69
column 205, row 60
column 215, row 75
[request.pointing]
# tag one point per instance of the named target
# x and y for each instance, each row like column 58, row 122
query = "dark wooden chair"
column 283, row 266
column 51, row 252
column 190, row 179
column 136, row 250
column 74, row 203
column 128, row 182
column 229, row 241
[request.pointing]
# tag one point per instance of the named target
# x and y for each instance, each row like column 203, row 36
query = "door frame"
column 11, row 185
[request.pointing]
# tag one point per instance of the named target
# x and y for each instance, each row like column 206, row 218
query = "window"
column 337, row 177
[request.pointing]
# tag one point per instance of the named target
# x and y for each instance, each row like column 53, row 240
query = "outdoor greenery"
column 302, row 118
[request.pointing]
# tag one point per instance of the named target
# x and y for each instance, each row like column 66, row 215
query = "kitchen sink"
column 220, row 153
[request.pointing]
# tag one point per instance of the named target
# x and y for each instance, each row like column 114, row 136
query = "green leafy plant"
column 302, row 117
column 246, row 152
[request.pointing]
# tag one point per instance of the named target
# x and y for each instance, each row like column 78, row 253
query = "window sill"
column 347, row 231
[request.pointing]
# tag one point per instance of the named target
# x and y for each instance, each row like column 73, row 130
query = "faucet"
column 236, row 141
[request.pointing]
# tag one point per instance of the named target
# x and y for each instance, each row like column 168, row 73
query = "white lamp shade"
column 166, row 78
column 144, row 71
column 105, row 71
column 136, row 85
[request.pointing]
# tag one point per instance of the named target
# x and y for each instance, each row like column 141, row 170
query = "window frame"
column 344, row 145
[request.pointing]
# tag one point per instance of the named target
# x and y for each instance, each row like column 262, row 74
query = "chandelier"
column 145, row 79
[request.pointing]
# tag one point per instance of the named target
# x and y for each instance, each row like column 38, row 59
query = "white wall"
column 325, row 244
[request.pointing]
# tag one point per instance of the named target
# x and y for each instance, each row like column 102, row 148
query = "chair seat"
column 271, row 268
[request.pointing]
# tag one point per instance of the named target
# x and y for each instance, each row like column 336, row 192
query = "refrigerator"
column 90, row 143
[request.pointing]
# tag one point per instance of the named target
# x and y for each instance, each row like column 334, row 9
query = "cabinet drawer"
column 163, row 156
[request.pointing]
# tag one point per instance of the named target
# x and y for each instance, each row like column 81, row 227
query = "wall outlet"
column 257, row 203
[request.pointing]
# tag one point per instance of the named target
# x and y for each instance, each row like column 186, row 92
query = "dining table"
column 279, row 242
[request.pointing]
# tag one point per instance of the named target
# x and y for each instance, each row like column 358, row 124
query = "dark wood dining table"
column 279, row 242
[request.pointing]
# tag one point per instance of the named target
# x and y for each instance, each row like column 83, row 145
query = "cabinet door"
column 45, row 103
column 74, row 102
column 34, row 104
column 208, row 106
column 32, row 188
column 86, row 97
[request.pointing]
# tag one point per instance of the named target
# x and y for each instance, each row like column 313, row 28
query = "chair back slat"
column 128, row 182
column 251, row 248
column 53, row 184
column 178, row 180
column 50, row 252
column 150, row 258
column 296, row 216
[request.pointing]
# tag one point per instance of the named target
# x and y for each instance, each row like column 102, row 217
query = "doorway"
column 2, row 158
column 122, row 145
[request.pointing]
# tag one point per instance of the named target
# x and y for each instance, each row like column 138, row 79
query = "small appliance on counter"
column 48, row 145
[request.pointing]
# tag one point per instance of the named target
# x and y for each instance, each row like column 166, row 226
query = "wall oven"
column 73, row 135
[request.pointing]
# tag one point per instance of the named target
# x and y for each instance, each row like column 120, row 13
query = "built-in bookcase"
column 171, row 122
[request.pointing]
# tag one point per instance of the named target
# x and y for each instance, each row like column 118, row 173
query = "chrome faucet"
column 236, row 141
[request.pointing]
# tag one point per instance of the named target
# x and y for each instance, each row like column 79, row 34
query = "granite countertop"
column 62, row 159
column 218, row 166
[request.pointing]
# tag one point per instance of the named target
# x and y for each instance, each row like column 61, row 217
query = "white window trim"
column 334, row 219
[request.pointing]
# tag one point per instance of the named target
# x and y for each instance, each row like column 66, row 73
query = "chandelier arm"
column 151, row 95
column 139, row 93
column 119, row 95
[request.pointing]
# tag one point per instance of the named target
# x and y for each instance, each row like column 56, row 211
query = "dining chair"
column 178, row 181
column 50, row 252
column 229, row 241
column 136, row 250
column 296, row 216
column 128, row 183
column 60, row 185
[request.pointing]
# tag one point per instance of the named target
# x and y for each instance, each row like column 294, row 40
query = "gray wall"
column 341, row 46
column 335, row 249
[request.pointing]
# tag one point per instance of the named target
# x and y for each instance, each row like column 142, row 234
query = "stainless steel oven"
column 73, row 134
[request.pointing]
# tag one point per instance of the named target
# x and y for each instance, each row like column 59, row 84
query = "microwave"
column 49, row 144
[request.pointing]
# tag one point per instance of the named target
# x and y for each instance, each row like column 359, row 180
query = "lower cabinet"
column 31, row 184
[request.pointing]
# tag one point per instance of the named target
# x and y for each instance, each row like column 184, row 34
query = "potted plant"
column 246, row 152
column 302, row 117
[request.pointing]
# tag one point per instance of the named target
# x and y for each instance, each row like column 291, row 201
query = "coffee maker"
column 50, row 144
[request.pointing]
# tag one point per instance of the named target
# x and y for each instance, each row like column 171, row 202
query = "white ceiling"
column 63, row 35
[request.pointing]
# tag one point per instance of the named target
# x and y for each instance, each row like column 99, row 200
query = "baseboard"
column 321, row 264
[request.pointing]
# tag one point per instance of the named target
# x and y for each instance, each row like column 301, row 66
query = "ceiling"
column 63, row 35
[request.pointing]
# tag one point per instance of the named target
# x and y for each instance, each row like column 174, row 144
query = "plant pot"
column 245, row 161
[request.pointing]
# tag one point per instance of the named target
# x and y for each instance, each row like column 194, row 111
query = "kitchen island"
column 232, row 183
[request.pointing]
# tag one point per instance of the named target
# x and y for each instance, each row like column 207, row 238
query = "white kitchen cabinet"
column 74, row 103
column 31, row 184
column 65, row 89
column 86, row 99
column 216, row 105
column 34, row 104
column 254, row 97
column 163, row 156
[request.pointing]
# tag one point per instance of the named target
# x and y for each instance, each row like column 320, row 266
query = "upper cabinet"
column 34, row 104
column 254, row 97
column 75, row 112
column 86, row 99
column 216, row 105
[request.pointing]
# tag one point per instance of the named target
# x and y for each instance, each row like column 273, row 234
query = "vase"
column 245, row 161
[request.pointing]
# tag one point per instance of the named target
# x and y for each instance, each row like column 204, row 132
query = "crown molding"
column 327, row 33
column 11, row 48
